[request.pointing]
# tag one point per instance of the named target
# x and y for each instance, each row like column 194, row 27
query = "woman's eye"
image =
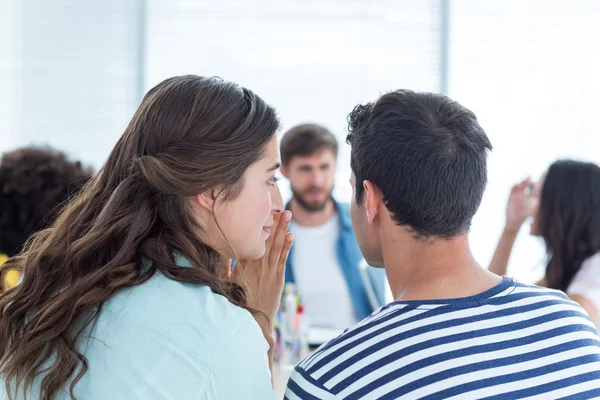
column 273, row 181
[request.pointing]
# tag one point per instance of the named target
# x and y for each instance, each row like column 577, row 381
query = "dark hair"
column 190, row 134
column 35, row 183
column 569, row 218
column 305, row 140
column 428, row 156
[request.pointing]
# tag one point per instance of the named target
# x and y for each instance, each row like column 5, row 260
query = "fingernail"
column 287, row 216
column 290, row 237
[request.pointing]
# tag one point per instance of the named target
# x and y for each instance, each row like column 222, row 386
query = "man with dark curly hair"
column 34, row 184
column 455, row 330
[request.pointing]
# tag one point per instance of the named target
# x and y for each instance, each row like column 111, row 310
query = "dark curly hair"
column 34, row 183
column 569, row 218
column 428, row 156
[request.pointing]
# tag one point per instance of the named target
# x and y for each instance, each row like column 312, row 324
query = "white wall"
column 11, row 25
column 72, row 74
column 313, row 60
column 530, row 71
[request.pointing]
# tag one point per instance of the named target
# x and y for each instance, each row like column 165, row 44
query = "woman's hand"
column 517, row 211
column 263, row 278
column 519, row 206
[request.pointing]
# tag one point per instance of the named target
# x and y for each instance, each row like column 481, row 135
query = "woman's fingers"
column 287, row 245
column 269, row 241
column 279, row 238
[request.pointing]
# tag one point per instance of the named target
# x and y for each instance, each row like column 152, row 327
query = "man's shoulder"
column 529, row 322
column 366, row 329
column 521, row 289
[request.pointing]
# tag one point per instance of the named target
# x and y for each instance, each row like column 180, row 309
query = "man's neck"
column 435, row 269
column 304, row 217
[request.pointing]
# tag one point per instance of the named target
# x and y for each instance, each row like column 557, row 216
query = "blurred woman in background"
column 565, row 209
column 129, row 294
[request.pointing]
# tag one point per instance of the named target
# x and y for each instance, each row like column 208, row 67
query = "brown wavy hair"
column 190, row 134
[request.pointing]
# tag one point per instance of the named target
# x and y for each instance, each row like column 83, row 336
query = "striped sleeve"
column 302, row 387
column 514, row 341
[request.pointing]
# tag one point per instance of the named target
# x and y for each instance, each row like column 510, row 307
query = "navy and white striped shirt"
column 513, row 341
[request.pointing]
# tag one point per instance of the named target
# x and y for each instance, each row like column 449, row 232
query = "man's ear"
column 373, row 200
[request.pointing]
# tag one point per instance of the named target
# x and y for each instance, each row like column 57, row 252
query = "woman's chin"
column 257, row 253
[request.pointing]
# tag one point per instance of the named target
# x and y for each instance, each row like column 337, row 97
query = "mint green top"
column 167, row 340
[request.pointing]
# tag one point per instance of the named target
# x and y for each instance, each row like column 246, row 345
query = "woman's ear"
column 206, row 200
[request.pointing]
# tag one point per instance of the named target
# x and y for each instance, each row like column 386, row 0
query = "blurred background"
column 72, row 72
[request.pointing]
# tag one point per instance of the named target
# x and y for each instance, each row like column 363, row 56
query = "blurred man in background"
column 336, row 286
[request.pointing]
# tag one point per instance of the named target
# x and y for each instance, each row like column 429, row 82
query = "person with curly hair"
column 35, row 183
column 564, row 207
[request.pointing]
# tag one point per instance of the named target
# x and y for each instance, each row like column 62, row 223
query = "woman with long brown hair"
column 130, row 294
column 564, row 207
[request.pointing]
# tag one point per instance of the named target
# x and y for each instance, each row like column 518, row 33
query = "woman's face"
column 536, row 195
column 247, row 221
